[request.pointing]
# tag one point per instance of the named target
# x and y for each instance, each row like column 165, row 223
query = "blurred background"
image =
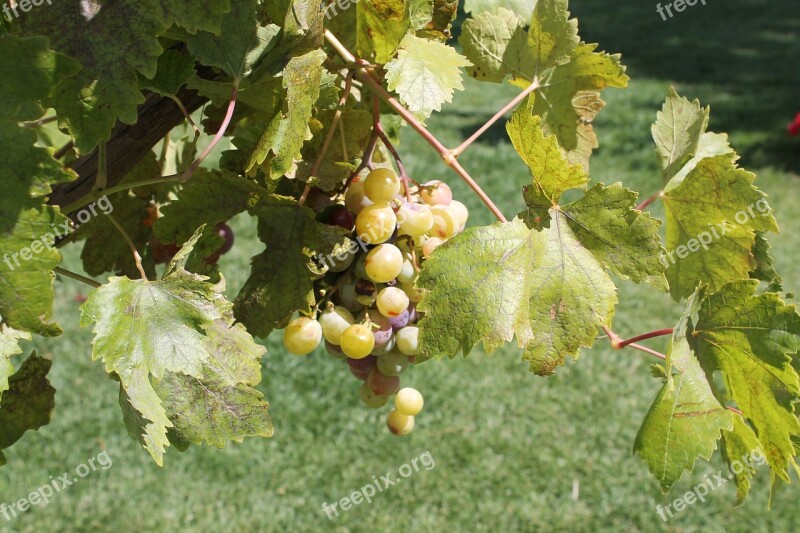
column 512, row 452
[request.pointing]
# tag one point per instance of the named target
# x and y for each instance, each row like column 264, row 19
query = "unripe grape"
column 392, row 301
column 370, row 399
column 399, row 424
column 355, row 199
column 461, row 212
column 408, row 340
column 357, row 341
column 409, row 401
column 383, row 263
column 414, row 294
column 436, row 193
column 393, row 364
column 431, row 244
column 382, row 185
column 344, row 264
column 408, row 272
column 381, row 384
column 445, row 224
column 414, row 220
column 334, row 322
column 348, row 297
column 302, row 336
column 376, row 223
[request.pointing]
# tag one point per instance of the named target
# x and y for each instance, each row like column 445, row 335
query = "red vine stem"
column 218, row 137
column 499, row 115
column 369, row 78
column 617, row 343
column 650, row 200
column 645, row 336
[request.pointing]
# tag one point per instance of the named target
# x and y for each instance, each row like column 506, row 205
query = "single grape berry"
column 370, row 399
column 354, row 199
column 302, row 336
column 334, row 322
column 357, row 341
column 436, row 193
column 382, row 185
column 399, row 424
column 342, row 217
column 375, row 224
column 381, row 384
column 393, row 364
column 414, row 220
column 408, row 340
column 360, row 368
column 392, row 301
column 383, row 263
column 409, row 401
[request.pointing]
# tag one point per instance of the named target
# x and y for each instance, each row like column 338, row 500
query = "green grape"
column 393, row 363
column 431, row 244
column 436, row 193
column 355, row 199
column 334, row 322
column 408, row 340
column 461, row 213
column 399, row 424
column 348, row 297
column 409, row 401
column 382, row 185
column 414, row 220
column 414, row 294
column 445, row 223
column 383, row 263
column 408, row 273
column 370, row 399
column 344, row 264
column 302, row 336
column 376, row 223
column 392, row 301
column 357, row 341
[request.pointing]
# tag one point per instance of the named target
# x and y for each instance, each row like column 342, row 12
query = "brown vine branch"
column 617, row 343
column 368, row 77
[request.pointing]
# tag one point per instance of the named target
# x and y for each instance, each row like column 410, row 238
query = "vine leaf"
column 677, row 132
column 543, row 287
column 155, row 334
column 497, row 45
column 27, row 224
column 765, row 265
column 751, row 340
column 175, row 68
column 712, row 216
column 9, row 345
column 288, row 129
column 281, row 281
column 113, row 42
column 523, row 8
column 425, row 74
column 739, row 445
column 604, row 219
column 686, row 420
column 381, row 25
column 28, row 402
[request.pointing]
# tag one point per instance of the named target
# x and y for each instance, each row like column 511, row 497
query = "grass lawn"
column 513, row 452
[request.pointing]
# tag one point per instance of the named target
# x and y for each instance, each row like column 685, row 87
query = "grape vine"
column 382, row 270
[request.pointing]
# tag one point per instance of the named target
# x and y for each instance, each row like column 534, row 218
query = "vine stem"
column 218, row 137
column 617, row 343
column 185, row 113
column 41, row 122
column 645, row 336
column 117, row 188
column 348, row 86
column 368, row 77
column 650, row 200
column 136, row 257
column 77, row 277
column 499, row 115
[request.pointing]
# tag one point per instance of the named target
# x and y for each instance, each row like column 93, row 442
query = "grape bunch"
column 371, row 316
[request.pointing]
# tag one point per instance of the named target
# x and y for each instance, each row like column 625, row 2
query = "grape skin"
column 399, row 424
column 302, row 335
column 383, row 263
column 357, row 341
column 409, row 401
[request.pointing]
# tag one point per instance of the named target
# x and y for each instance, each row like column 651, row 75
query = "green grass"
column 508, row 446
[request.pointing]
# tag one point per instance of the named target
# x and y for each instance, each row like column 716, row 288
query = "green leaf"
column 382, row 24
column 677, row 132
column 712, row 218
column 425, row 74
column 288, row 129
column 570, row 99
column 175, row 68
column 282, row 276
column 9, row 345
column 147, row 332
column 765, row 265
column 740, row 445
column 241, row 44
column 523, row 8
column 552, row 174
column 543, row 287
column 113, row 42
column 750, row 339
column 28, row 402
column 686, row 419
column 497, row 45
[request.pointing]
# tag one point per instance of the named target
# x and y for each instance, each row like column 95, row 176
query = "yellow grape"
column 357, row 341
column 382, row 185
column 376, row 223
